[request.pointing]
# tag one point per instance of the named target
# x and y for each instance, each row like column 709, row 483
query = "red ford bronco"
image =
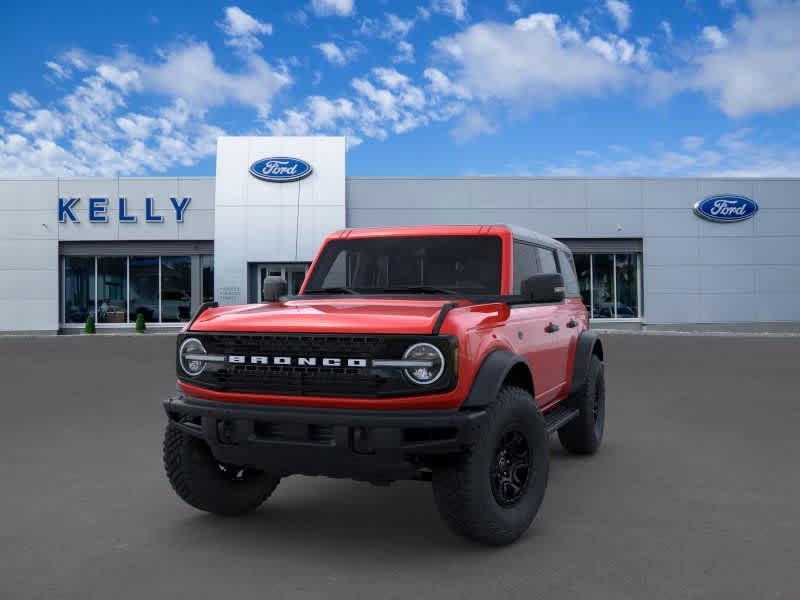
column 442, row 354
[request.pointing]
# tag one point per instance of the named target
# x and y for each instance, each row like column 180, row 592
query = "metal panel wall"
column 30, row 233
column 694, row 271
column 262, row 221
column 28, row 255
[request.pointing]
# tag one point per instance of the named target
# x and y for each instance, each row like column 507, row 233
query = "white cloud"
column 735, row 154
column 37, row 123
column 22, row 100
column 339, row 8
column 57, row 70
column 91, row 131
column 536, row 60
column 619, row 50
column 692, row 143
column 471, row 125
column 127, row 80
column 391, row 78
column 385, row 101
column 758, row 70
column 715, row 37
column 391, row 27
column 621, row 11
column 298, row 16
column 336, row 55
column 440, row 84
column 191, row 72
column 453, row 8
column 405, row 53
column 332, row 53
column 243, row 29
column 398, row 27
column 666, row 27
column 514, row 8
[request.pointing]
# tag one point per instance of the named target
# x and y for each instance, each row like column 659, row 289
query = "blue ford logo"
column 726, row 209
column 280, row 169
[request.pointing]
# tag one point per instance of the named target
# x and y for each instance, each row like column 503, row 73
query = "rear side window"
column 570, row 277
column 525, row 264
column 547, row 260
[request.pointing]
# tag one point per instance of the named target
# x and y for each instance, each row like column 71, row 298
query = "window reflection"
column 602, row 286
column 78, row 288
column 111, row 289
column 584, row 277
column 627, row 286
column 609, row 284
column 207, row 267
column 144, row 288
column 176, row 288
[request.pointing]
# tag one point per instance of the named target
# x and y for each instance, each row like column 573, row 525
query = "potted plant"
column 89, row 327
column 140, row 324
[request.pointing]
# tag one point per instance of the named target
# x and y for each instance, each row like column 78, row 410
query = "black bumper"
column 373, row 445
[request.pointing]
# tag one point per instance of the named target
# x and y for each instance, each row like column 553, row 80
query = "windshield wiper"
column 331, row 290
column 420, row 289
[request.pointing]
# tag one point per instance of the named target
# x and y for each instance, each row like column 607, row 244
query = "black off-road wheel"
column 492, row 492
column 584, row 434
column 202, row 482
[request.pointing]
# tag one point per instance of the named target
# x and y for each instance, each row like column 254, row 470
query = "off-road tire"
column 205, row 484
column 463, row 485
column 584, row 434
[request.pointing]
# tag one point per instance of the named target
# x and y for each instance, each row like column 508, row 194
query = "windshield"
column 435, row 264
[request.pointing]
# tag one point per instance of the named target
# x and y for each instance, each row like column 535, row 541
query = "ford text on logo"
column 726, row 209
column 280, row 169
column 99, row 208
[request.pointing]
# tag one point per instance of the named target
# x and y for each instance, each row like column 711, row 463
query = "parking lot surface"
column 695, row 493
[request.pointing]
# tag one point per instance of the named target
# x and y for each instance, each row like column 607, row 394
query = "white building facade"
column 115, row 248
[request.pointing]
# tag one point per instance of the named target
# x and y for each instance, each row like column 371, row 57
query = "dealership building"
column 650, row 252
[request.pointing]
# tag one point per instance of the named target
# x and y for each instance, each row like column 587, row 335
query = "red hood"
column 338, row 315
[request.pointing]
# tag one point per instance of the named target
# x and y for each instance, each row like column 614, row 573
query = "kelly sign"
column 98, row 210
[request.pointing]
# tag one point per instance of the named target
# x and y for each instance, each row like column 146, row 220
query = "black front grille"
column 312, row 380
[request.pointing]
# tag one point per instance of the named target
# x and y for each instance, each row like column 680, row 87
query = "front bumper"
column 373, row 445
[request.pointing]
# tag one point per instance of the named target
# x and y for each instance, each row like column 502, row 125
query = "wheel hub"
column 511, row 469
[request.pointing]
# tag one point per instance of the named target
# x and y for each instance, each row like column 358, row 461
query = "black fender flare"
column 588, row 345
column 490, row 377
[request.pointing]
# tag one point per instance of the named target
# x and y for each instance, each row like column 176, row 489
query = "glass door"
column 293, row 274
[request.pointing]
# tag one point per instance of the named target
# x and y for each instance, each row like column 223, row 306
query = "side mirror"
column 543, row 287
column 273, row 288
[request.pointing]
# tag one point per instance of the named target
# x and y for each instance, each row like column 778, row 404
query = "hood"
column 338, row 315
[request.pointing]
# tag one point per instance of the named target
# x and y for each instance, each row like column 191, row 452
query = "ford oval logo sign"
column 726, row 209
column 280, row 169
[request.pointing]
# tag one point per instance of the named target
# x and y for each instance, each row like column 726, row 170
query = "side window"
column 547, row 259
column 525, row 264
column 570, row 277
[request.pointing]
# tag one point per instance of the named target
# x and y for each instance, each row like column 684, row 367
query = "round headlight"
column 190, row 356
column 431, row 363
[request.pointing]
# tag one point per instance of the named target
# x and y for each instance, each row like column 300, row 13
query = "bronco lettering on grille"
column 299, row 361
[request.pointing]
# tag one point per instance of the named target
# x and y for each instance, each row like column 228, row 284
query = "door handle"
column 572, row 323
column 551, row 328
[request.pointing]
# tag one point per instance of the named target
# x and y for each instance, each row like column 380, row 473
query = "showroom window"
column 79, row 288
column 117, row 289
column 207, row 273
column 610, row 284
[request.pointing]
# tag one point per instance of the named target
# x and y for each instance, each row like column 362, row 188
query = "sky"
column 429, row 88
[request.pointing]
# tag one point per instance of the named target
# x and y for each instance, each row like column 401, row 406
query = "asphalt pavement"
column 694, row 494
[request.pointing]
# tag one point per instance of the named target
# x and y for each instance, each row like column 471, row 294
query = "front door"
column 292, row 273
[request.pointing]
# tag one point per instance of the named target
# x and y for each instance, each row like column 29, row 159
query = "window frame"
column 639, row 289
column 196, row 273
column 538, row 260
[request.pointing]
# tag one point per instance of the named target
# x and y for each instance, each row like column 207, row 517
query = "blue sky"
column 438, row 87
